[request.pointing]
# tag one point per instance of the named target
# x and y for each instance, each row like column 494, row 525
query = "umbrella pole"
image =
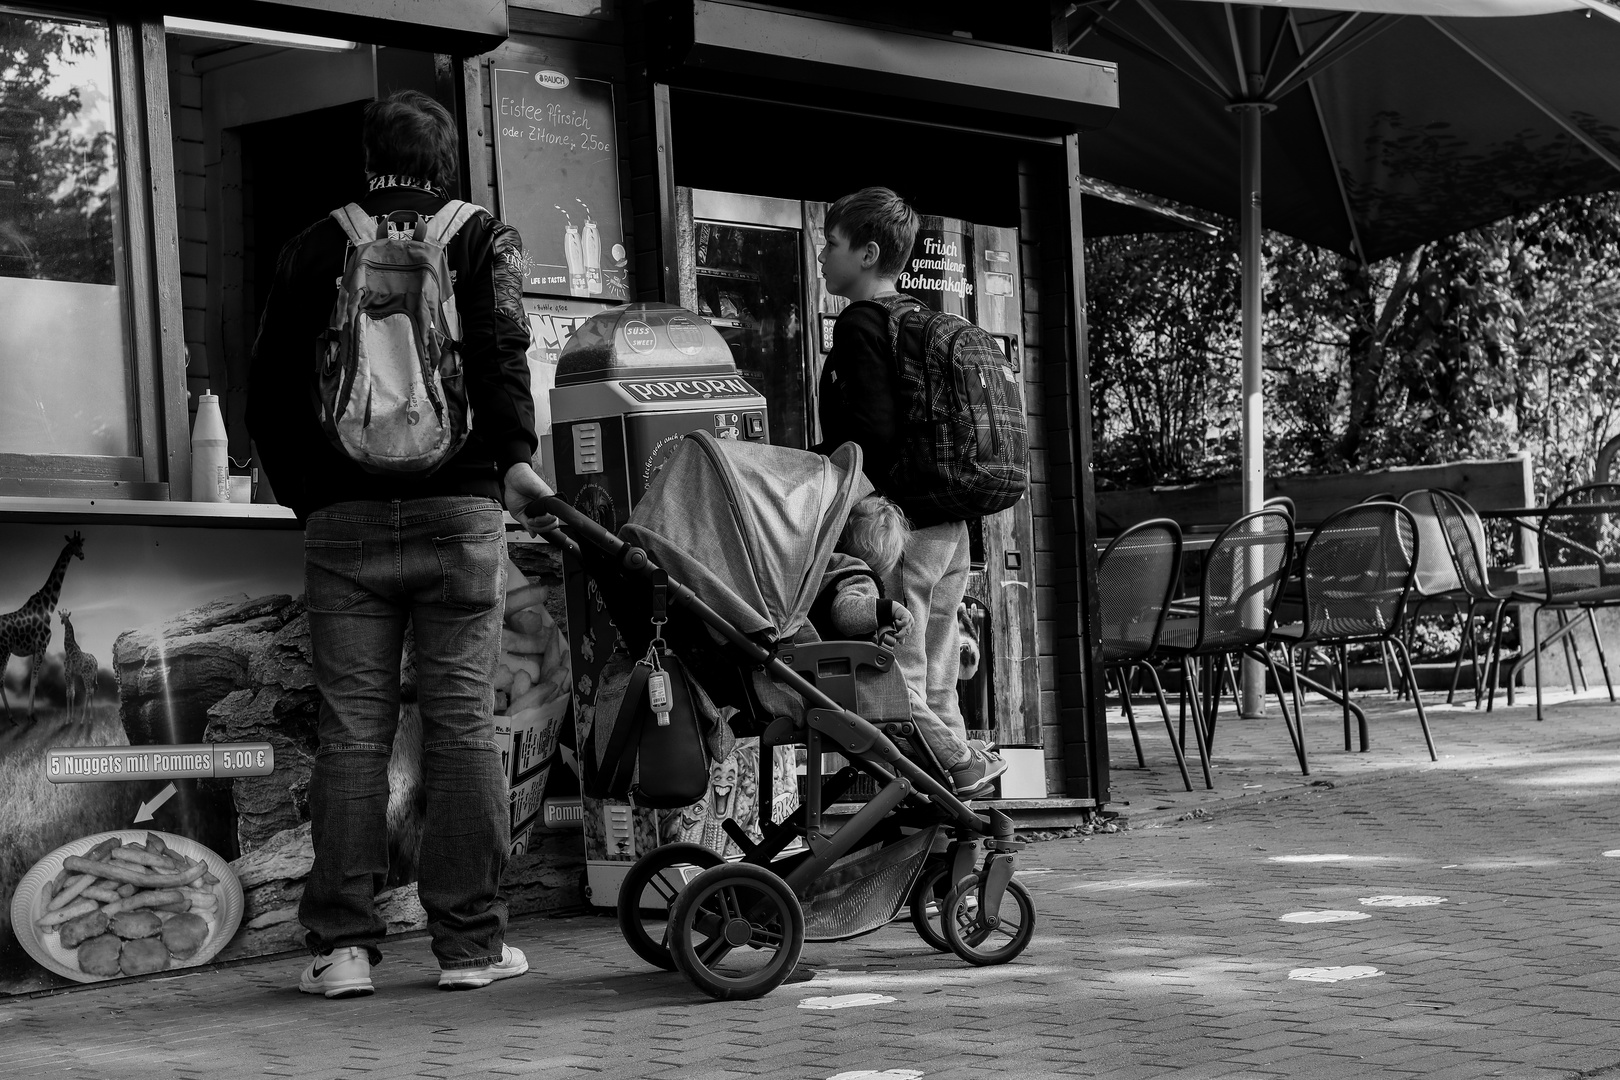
column 1252, row 298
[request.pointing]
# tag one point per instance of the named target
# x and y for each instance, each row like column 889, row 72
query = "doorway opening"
column 266, row 142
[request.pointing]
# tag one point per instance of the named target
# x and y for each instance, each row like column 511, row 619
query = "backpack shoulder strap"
column 357, row 225
column 898, row 307
column 449, row 219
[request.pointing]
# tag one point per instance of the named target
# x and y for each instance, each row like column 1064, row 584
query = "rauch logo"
column 551, row 80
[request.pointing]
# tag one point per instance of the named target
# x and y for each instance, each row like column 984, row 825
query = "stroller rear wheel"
column 968, row 927
column 736, row 931
column 928, row 902
column 644, row 917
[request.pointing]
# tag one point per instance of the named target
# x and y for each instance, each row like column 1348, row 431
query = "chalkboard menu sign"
column 557, row 173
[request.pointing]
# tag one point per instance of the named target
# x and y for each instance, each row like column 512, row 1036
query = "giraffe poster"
column 82, row 606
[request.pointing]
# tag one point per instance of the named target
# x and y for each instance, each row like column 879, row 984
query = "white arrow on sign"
column 150, row 807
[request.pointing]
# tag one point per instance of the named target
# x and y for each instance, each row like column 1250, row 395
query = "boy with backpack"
column 390, row 326
column 938, row 415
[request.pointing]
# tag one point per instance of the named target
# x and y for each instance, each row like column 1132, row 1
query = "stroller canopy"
column 749, row 527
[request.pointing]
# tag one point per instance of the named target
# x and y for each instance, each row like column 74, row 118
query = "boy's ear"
column 870, row 254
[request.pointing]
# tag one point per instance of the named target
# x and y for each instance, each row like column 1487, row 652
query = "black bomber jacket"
column 304, row 469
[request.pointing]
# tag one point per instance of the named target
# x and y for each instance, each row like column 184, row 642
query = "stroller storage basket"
column 867, row 891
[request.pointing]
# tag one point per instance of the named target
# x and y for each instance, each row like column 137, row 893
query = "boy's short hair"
column 410, row 134
column 875, row 533
column 877, row 214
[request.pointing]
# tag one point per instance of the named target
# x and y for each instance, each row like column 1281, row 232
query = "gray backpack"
column 389, row 383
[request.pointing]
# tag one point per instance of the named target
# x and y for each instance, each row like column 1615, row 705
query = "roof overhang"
column 462, row 27
column 714, row 44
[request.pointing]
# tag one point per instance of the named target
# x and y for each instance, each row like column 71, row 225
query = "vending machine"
column 631, row 383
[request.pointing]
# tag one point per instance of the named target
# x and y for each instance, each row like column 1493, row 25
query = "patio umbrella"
column 1376, row 125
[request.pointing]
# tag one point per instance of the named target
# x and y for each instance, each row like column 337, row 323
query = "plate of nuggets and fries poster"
column 123, row 903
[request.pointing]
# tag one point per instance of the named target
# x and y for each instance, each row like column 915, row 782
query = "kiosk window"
column 64, row 344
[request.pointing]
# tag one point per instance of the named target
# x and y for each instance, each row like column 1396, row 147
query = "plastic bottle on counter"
column 210, row 456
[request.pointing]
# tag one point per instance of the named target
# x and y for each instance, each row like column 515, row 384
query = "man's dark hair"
column 410, row 134
column 876, row 213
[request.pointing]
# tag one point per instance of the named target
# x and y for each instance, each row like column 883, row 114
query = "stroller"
column 727, row 551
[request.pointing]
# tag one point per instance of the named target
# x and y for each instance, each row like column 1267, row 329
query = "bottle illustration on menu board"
column 590, row 240
column 576, row 262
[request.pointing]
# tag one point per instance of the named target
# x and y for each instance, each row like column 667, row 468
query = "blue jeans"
column 369, row 568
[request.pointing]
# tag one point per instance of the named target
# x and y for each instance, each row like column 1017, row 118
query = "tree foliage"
column 1494, row 341
column 57, row 159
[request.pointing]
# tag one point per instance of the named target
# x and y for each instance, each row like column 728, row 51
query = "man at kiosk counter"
column 386, row 550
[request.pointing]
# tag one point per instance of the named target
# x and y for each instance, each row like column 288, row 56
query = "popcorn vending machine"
column 631, row 383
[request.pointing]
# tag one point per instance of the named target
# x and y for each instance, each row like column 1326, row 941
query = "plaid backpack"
column 388, row 382
column 965, row 445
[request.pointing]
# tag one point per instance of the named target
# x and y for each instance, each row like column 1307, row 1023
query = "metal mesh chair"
column 1463, row 532
column 1357, row 571
column 1136, row 577
column 1244, row 573
column 1437, row 579
column 1435, row 576
column 1579, row 539
column 1280, row 502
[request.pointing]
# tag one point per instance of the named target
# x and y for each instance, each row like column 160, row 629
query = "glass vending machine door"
column 747, row 280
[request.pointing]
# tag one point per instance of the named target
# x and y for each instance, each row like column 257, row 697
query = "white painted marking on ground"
column 1614, row 854
column 1334, row 974
column 886, row 1074
column 1402, row 901
column 1338, row 857
column 846, row 1001
column 1508, row 864
column 1323, row 916
column 1139, row 883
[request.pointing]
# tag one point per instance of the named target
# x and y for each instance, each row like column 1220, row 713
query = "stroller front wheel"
column 977, row 937
column 640, row 913
column 736, row 931
column 928, row 902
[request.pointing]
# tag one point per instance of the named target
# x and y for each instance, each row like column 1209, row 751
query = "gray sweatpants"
column 930, row 580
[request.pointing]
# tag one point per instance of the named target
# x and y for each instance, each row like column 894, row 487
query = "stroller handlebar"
column 575, row 522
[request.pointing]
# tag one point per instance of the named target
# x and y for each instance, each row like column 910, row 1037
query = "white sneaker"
column 344, row 972
column 513, row 963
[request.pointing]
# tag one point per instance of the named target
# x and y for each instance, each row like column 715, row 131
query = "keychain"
column 658, row 689
column 658, row 681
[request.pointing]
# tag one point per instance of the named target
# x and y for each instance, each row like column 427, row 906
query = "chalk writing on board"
column 557, row 173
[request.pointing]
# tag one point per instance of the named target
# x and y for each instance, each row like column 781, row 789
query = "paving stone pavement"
column 1160, row 949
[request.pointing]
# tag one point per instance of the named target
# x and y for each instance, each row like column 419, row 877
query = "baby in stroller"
column 851, row 605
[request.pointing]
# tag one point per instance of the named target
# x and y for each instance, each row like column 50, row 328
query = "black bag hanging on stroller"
column 741, row 535
column 655, row 756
